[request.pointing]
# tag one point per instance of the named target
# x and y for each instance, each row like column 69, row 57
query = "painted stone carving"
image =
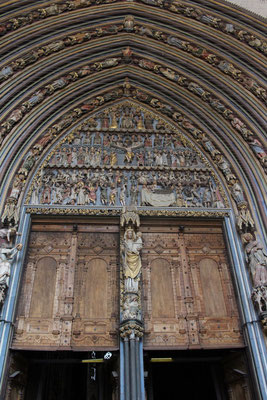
column 131, row 258
column 6, row 256
column 257, row 260
column 131, row 270
column 125, row 157
column 259, row 297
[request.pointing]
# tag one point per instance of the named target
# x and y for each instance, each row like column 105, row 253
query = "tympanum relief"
column 126, row 156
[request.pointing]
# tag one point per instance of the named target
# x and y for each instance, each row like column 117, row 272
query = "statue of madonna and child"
column 130, row 250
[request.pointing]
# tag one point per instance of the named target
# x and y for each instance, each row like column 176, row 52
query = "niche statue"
column 132, row 244
column 6, row 256
column 257, row 260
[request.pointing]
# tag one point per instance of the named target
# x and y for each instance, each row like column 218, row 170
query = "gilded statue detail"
column 131, row 247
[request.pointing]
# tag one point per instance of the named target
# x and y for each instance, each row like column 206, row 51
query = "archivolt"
column 176, row 87
column 105, row 98
column 187, row 66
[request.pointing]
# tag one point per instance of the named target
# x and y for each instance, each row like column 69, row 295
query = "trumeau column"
column 131, row 325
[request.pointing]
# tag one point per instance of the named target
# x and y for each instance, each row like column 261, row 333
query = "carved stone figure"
column 6, row 256
column 8, row 232
column 158, row 158
column 14, row 117
column 35, row 195
column 129, row 156
column 237, row 193
column 131, row 248
column 225, row 167
column 131, row 308
column 46, row 195
column 140, row 159
column 123, row 195
column 16, row 188
column 113, row 195
column 92, row 193
column 5, row 72
column 36, row 98
column 104, row 195
column 113, row 159
column 209, row 146
column 81, row 195
column 257, row 148
column 229, row 68
column 109, row 62
column 174, row 41
column 29, row 161
column 257, row 260
column 259, row 297
column 207, row 197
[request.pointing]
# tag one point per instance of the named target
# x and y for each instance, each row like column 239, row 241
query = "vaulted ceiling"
column 201, row 61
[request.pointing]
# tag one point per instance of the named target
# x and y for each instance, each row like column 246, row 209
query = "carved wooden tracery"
column 189, row 299
column 70, row 288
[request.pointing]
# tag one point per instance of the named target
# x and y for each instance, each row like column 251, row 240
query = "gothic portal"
column 132, row 201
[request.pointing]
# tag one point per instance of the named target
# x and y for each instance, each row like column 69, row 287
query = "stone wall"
column 257, row 6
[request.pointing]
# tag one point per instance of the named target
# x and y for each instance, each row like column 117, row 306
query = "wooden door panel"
column 214, row 303
column 165, row 323
column 96, row 300
column 70, row 288
column 161, row 289
column 96, row 289
column 189, row 298
column 41, row 302
column 43, row 291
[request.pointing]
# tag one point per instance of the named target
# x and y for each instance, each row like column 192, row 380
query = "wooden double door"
column 71, row 285
column 70, row 298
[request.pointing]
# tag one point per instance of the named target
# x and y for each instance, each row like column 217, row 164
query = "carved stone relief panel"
column 189, row 299
column 125, row 156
